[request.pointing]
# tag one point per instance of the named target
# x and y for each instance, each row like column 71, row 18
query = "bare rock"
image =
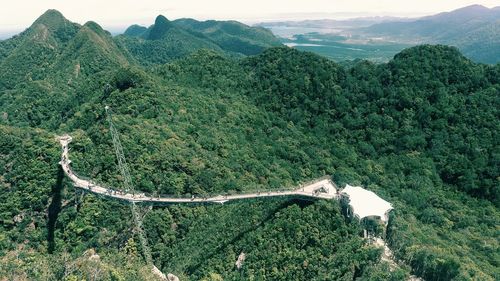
column 92, row 255
column 241, row 259
column 159, row 274
column 18, row 218
column 171, row 277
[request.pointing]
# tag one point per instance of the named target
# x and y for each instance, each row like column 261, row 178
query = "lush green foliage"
column 163, row 42
column 168, row 40
column 232, row 36
column 421, row 131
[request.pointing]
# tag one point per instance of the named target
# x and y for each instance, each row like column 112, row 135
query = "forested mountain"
column 474, row 29
column 422, row 131
column 167, row 40
column 163, row 42
column 53, row 66
column 233, row 36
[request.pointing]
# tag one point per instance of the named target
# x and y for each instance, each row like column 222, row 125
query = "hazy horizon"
column 144, row 13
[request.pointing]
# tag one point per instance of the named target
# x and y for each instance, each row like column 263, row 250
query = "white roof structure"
column 365, row 203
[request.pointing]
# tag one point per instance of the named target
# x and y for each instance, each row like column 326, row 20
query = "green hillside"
column 233, row 36
column 30, row 55
column 167, row 40
column 135, row 30
column 422, row 131
column 163, row 42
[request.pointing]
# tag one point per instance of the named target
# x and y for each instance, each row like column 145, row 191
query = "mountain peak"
column 465, row 13
column 161, row 26
column 54, row 23
column 52, row 13
column 135, row 30
column 160, row 20
column 52, row 19
column 436, row 55
column 475, row 7
column 92, row 25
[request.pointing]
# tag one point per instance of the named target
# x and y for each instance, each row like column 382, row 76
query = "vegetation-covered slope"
column 233, row 36
column 167, row 40
column 163, row 42
column 421, row 131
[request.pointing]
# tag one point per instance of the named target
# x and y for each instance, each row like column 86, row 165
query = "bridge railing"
column 246, row 190
column 222, row 193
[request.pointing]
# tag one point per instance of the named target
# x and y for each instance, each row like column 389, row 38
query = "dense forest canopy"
column 422, row 131
column 167, row 40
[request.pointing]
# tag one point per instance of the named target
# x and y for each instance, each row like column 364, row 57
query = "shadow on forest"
column 300, row 202
column 54, row 210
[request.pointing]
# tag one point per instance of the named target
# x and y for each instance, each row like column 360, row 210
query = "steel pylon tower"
column 127, row 185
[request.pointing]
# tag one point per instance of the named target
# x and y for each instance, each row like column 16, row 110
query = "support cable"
column 127, row 185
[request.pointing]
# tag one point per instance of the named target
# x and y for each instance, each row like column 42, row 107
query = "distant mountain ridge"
column 222, row 36
column 331, row 23
column 439, row 25
column 162, row 42
column 474, row 29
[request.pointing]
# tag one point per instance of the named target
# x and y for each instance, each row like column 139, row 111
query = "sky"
column 115, row 15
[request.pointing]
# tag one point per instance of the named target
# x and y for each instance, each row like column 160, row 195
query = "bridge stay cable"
column 128, row 187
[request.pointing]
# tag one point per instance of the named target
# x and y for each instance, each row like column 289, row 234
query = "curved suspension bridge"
column 321, row 188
